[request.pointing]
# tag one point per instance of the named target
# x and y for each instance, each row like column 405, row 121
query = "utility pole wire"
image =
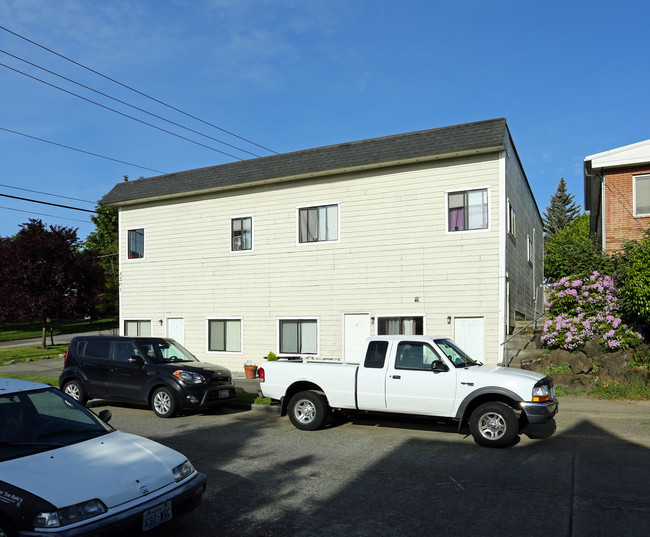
column 48, row 203
column 43, row 214
column 118, row 112
column 127, row 104
column 80, row 150
column 46, row 193
column 137, row 91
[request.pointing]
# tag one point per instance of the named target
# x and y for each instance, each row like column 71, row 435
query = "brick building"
column 617, row 194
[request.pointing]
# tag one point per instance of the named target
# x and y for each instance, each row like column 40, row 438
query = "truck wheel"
column 76, row 391
column 494, row 425
column 307, row 410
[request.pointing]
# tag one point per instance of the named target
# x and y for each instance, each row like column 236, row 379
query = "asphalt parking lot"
column 375, row 476
column 378, row 475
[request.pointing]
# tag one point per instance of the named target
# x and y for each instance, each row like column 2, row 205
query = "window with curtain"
column 299, row 336
column 396, row 326
column 135, row 243
column 317, row 224
column 642, row 195
column 224, row 335
column 468, row 210
column 512, row 227
column 241, row 235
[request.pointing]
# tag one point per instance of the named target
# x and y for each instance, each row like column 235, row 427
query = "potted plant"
column 250, row 369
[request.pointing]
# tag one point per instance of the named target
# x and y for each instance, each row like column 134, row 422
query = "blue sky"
column 571, row 78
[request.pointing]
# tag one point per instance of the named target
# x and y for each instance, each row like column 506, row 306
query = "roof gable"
column 421, row 146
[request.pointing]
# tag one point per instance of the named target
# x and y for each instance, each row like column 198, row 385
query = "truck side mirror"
column 438, row 366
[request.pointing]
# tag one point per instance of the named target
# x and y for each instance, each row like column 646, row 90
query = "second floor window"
column 316, row 224
column 468, row 210
column 241, row 235
column 136, row 243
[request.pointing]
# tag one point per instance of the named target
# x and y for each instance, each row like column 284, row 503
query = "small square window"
column 299, row 336
column 136, row 243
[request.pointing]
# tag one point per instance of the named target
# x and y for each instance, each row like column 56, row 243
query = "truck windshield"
column 457, row 356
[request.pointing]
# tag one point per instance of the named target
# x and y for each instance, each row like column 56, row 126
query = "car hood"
column 211, row 370
column 516, row 380
column 115, row 468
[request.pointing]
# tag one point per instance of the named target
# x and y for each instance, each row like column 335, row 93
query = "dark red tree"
column 46, row 276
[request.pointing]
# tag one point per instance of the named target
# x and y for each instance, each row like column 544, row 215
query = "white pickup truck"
column 416, row 375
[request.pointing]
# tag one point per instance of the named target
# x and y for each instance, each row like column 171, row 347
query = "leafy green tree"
column 571, row 251
column 633, row 279
column 103, row 242
column 561, row 212
column 46, row 276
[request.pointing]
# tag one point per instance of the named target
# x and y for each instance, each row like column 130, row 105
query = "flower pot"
column 251, row 371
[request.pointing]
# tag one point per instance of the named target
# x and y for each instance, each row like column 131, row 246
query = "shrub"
column 580, row 309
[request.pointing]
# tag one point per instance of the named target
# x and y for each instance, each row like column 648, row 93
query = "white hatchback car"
column 65, row 472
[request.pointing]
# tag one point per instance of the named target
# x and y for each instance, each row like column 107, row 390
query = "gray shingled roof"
column 376, row 152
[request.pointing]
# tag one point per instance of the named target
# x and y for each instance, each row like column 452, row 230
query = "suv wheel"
column 163, row 403
column 76, row 391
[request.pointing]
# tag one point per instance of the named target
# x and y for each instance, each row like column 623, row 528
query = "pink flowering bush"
column 581, row 309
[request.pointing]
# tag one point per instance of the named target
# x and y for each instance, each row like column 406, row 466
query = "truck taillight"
column 260, row 373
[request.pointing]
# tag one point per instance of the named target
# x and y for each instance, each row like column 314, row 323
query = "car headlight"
column 541, row 394
column 69, row 515
column 182, row 471
column 189, row 377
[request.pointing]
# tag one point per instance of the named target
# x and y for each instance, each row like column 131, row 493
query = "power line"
column 127, row 104
column 118, row 112
column 48, row 203
column 80, row 150
column 137, row 91
column 46, row 193
column 43, row 214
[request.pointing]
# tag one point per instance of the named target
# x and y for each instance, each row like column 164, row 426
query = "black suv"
column 156, row 371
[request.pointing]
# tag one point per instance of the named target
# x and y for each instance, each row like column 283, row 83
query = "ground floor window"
column 407, row 326
column 137, row 328
column 224, row 335
column 298, row 336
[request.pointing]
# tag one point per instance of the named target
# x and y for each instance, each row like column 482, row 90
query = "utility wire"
column 48, row 203
column 80, row 150
column 127, row 104
column 43, row 214
column 118, row 112
column 137, row 91
column 46, row 193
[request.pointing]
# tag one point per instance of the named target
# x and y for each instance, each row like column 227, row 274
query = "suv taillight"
column 65, row 358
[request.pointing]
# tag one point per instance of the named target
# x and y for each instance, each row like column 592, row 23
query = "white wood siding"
column 392, row 247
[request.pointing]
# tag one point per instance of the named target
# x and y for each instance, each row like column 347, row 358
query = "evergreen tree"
column 561, row 212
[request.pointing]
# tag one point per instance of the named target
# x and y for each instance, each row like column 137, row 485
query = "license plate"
column 224, row 393
column 156, row 515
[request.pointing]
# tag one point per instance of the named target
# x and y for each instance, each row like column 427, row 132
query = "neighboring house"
column 308, row 253
column 617, row 194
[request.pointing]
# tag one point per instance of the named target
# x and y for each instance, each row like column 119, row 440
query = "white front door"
column 176, row 329
column 469, row 335
column 356, row 329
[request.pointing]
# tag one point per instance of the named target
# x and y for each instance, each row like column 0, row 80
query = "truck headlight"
column 189, row 377
column 69, row 515
column 541, row 394
column 182, row 471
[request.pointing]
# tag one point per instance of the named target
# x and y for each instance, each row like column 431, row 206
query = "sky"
column 223, row 80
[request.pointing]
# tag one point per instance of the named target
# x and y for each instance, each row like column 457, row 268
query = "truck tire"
column 494, row 425
column 307, row 410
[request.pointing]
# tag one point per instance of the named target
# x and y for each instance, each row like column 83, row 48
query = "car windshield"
column 44, row 419
column 164, row 351
column 457, row 356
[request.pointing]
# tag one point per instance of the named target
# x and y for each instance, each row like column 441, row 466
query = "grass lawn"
column 9, row 331
column 25, row 354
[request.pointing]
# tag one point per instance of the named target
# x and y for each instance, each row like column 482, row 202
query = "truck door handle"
column 397, row 376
